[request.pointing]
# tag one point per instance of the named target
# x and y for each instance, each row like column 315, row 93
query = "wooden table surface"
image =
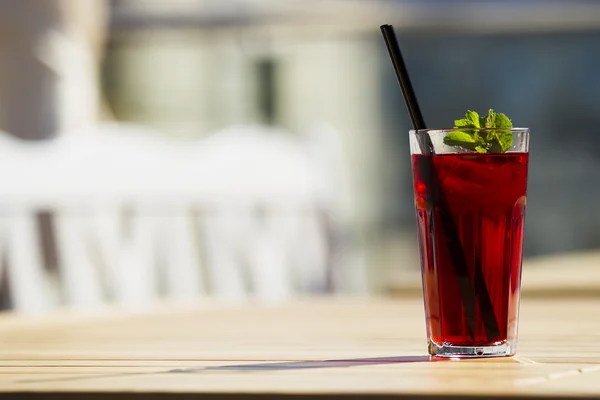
column 323, row 348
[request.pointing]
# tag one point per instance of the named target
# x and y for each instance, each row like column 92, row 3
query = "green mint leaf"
column 489, row 120
column 465, row 139
column 459, row 138
column 462, row 123
column 484, row 136
column 502, row 121
column 501, row 141
column 474, row 137
column 473, row 118
column 505, row 139
column 495, row 146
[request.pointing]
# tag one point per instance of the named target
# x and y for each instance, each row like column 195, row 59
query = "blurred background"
column 248, row 149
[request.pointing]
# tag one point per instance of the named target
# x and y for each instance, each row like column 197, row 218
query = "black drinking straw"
column 470, row 290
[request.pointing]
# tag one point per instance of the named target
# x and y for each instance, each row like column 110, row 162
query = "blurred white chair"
column 248, row 212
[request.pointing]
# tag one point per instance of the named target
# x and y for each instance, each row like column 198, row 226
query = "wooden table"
column 327, row 348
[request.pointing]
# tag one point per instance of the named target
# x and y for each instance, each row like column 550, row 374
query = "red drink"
column 470, row 215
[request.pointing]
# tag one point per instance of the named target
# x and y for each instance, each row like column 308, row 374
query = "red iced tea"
column 470, row 215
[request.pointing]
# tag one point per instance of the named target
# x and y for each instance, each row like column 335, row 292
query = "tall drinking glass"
column 470, row 212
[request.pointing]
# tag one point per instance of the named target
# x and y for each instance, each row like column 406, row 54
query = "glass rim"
column 447, row 130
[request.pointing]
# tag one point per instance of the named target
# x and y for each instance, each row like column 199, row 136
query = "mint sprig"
column 472, row 137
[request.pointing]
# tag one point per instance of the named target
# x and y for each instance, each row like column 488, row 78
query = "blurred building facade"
column 50, row 54
column 190, row 68
column 205, row 64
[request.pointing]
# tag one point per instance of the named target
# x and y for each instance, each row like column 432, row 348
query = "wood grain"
column 323, row 348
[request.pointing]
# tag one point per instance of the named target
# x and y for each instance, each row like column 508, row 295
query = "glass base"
column 501, row 349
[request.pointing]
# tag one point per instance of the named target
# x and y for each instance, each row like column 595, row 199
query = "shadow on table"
column 289, row 365
column 268, row 366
